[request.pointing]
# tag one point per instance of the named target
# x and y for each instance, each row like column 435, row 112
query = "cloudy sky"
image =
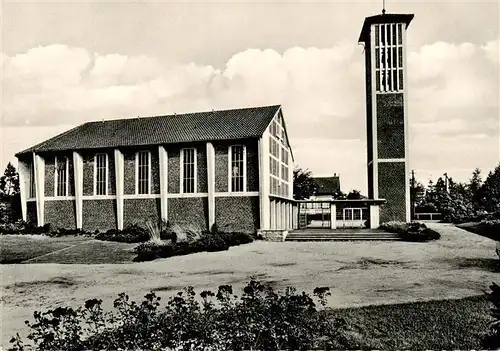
column 64, row 63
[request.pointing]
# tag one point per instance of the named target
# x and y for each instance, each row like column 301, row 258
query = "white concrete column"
column 23, row 169
column 78, row 177
column 283, row 216
column 264, row 178
column 295, row 216
column 288, row 216
column 374, row 217
column 39, row 164
column 272, row 214
column 211, row 184
column 333, row 216
column 119, row 178
column 163, row 160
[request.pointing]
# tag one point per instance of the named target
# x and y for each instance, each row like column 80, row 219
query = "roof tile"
column 200, row 126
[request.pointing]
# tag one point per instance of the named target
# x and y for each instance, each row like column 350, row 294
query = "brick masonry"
column 99, row 215
column 60, row 214
column 129, row 171
column 392, row 187
column 140, row 211
column 173, row 169
column 88, row 173
column 155, row 171
column 239, row 214
column 49, row 175
column 189, row 211
column 390, row 126
column 221, row 175
column 272, row 235
column 111, row 173
column 201, row 160
column 252, row 165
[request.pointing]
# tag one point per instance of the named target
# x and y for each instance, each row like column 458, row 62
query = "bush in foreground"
column 413, row 231
column 21, row 227
column 261, row 319
column 209, row 242
column 131, row 234
column 492, row 341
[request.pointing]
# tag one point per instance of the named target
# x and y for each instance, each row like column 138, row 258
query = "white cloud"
column 453, row 93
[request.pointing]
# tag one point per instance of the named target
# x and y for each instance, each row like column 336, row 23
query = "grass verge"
column 445, row 324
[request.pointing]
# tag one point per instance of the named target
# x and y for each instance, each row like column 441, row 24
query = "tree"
column 417, row 194
column 354, row 195
column 475, row 181
column 9, row 182
column 10, row 198
column 475, row 187
column 491, row 191
column 303, row 184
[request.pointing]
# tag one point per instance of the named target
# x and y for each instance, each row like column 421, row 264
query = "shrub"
column 150, row 250
column 234, row 239
column 212, row 242
column 260, row 318
column 206, row 242
column 132, row 234
column 492, row 340
column 413, row 231
column 21, row 227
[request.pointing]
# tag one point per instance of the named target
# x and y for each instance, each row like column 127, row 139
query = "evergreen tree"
column 9, row 182
column 10, row 198
column 475, row 188
column 491, row 191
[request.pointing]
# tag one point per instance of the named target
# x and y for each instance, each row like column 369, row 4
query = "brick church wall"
column 99, row 215
column 191, row 211
column 140, row 211
column 60, row 214
column 237, row 214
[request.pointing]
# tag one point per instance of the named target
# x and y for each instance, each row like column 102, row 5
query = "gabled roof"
column 384, row 18
column 191, row 127
column 327, row 185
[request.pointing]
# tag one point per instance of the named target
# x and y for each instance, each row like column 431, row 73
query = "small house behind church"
column 231, row 167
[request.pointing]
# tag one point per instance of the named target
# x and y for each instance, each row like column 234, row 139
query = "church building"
column 233, row 168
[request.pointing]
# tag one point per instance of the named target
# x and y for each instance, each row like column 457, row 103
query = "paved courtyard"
column 357, row 273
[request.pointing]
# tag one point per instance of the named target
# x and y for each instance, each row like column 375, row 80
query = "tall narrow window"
column 61, row 175
column 143, row 160
column 237, row 168
column 31, row 190
column 188, row 170
column 101, row 174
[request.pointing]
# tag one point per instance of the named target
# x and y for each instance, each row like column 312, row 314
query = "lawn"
column 434, row 325
column 460, row 264
column 70, row 249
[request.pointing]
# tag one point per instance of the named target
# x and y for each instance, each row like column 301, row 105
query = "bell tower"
column 384, row 39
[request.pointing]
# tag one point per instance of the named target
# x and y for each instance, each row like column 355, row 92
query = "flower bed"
column 208, row 241
column 413, row 231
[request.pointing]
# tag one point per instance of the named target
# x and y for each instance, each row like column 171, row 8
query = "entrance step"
column 339, row 236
